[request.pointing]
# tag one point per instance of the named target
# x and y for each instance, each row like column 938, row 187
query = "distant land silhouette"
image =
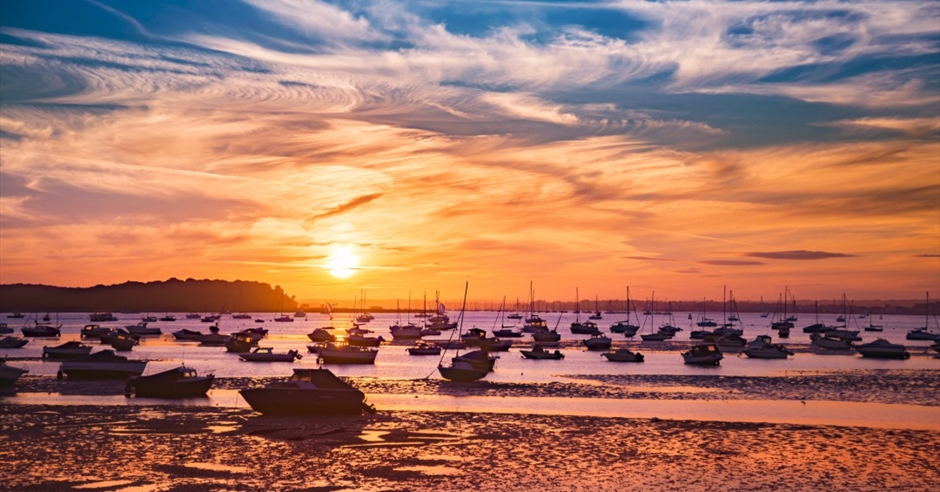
column 173, row 295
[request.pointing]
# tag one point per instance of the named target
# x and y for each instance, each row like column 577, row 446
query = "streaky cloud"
column 798, row 255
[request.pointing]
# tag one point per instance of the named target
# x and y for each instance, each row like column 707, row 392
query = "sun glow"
column 343, row 261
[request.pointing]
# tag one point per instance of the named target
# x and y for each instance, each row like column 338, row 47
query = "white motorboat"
column 703, row 354
column 337, row 353
column 623, row 354
column 762, row 347
column 405, row 332
column 882, row 349
column 68, row 350
column 321, row 335
column 267, row 354
column 102, row 365
column 9, row 374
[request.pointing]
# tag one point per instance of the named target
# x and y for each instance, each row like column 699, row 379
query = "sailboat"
column 364, row 316
column 461, row 369
column 923, row 333
column 577, row 326
column 597, row 311
column 516, row 314
column 625, row 327
column 660, row 335
column 534, row 322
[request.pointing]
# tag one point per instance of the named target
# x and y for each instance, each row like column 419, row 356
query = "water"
column 395, row 363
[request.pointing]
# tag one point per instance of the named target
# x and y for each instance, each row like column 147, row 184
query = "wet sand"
column 179, row 448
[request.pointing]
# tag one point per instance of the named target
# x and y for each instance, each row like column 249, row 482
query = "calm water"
column 394, row 362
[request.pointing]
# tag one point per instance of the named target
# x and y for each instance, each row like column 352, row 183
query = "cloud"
column 798, row 255
column 731, row 262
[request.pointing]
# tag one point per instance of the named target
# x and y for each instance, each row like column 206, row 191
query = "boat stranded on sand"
column 307, row 392
column 101, row 365
column 179, row 382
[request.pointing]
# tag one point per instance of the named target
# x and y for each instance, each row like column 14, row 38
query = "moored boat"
column 597, row 342
column 9, row 374
column 41, row 330
column 267, row 354
column 141, row 329
column 68, row 350
column 341, row 353
column 101, row 316
column 882, row 349
column 422, row 347
column 307, row 392
column 9, row 342
column 102, row 365
column 179, row 382
column 187, row 334
column 703, row 354
column 539, row 353
column 762, row 347
column 623, row 354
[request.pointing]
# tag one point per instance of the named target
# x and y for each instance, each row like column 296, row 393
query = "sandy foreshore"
column 171, row 447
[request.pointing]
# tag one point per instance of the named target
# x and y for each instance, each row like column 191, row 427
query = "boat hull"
column 108, row 370
column 294, row 401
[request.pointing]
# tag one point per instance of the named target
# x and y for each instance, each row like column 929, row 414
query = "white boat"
column 9, row 374
column 267, row 354
column 422, row 347
column 68, row 350
column 539, row 353
column 336, row 353
column 321, row 335
column 102, row 365
column 883, row 349
column 307, row 392
column 623, row 354
column 405, row 332
column 703, row 354
column 141, row 329
column 825, row 344
column 9, row 342
column 762, row 347
column 364, row 341
column 597, row 342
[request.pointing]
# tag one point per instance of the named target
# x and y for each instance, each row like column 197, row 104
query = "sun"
column 343, row 261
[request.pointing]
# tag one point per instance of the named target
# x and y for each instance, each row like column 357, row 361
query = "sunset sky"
column 399, row 146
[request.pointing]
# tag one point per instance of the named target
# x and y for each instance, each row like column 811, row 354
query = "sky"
column 399, row 147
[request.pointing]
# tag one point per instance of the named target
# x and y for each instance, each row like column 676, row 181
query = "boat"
column 422, row 347
column 882, row 349
column 495, row 344
column 539, row 353
column 41, row 330
column 5, row 328
column 827, row 344
column 597, row 342
column 462, row 372
column 507, row 332
column 141, row 329
column 187, row 334
column 341, row 353
column 628, row 330
column 149, row 319
column 193, row 315
column 622, row 354
column 9, row 342
column 546, row 337
column 168, row 318
column 727, row 342
column 102, row 365
column 124, row 342
column 179, row 382
column 284, row 319
column 9, row 374
column 101, row 316
column 240, row 343
column 68, row 350
column 597, row 312
column 923, row 333
column 16, row 315
column 707, row 354
column 762, row 347
column 307, row 392
column 473, row 365
column 267, row 354
column 321, row 335
column 300, row 314
column 405, row 332
column 364, row 341
column 704, row 321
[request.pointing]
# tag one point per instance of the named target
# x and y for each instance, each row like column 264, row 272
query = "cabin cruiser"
column 94, row 331
column 826, row 344
column 882, row 349
column 597, row 342
column 624, row 327
column 101, row 316
column 124, row 342
column 340, row 353
column 5, row 328
column 405, row 332
column 102, row 365
column 495, row 345
column 623, row 355
column 703, row 354
column 364, row 341
column 507, row 332
column 141, row 329
column 240, row 343
column 267, row 354
column 187, row 334
column 41, row 330
column 422, row 347
column 539, row 353
column 534, row 324
column 179, row 382
column 922, row 334
column 584, row 328
column 12, row 342
column 479, row 359
column 68, row 350
column 307, row 392
column 9, row 374
column 321, row 335
column 762, row 347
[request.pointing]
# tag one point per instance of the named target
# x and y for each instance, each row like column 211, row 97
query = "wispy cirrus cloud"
column 797, row 255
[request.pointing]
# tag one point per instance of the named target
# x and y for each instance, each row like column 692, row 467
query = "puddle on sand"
column 431, row 470
column 674, row 389
column 216, row 467
column 373, row 435
column 102, row 485
column 221, row 429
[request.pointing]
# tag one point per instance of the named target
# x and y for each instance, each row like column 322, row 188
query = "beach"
column 172, row 447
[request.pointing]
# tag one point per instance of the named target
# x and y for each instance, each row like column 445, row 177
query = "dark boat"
column 179, row 382
column 102, row 365
column 307, row 392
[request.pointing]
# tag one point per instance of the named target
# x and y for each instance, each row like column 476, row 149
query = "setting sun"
column 343, row 261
